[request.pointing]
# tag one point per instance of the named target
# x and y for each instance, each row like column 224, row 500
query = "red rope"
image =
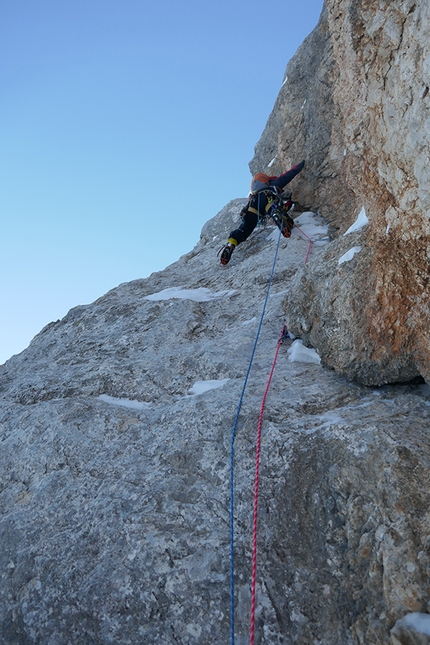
column 257, row 471
column 310, row 242
column 256, row 483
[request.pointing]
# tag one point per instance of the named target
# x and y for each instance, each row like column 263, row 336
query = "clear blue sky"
column 125, row 126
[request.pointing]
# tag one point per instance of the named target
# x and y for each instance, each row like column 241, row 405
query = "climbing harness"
column 257, row 459
column 277, row 209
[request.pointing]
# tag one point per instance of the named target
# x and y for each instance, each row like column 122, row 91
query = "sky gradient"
column 125, row 126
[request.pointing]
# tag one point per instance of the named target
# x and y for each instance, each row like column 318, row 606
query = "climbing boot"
column 225, row 252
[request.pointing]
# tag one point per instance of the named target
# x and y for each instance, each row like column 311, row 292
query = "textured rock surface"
column 114, row 476
column 114, row 510
column 326, row 307
column 357, row 106
column 306, row 123
column 411, row 630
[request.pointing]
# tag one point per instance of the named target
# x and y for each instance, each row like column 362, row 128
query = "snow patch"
column 419, row 622
column 346, row 257
column 272, row 162
column 202, row 294
column 298, row 353
column 308, row 223
column 274, row 236
column 359, row 223
column 125, row 403
column 203, row 386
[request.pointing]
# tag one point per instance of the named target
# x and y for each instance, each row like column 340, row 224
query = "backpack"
column 260, row 181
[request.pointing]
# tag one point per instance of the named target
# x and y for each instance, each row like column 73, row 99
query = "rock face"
column 356, row 105
column 306, row 123
column 328, row 308
column 115, row 437
column 116, row 423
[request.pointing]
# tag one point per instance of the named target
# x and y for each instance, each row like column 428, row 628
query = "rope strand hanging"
column 258, row 452
column 233, row 436
column 256, row 486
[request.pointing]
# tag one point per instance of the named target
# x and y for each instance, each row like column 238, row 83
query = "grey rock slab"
column 114, row 476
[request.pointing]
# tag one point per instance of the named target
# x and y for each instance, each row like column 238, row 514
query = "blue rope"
column 233, row 436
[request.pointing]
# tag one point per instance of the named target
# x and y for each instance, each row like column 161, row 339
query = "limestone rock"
column 362, row 111
column 115, row 430
column 306, row 123
column 413, row 629
column 115, row 423
column 328, row 308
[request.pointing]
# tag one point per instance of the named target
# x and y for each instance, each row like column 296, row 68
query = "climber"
column 263, row 197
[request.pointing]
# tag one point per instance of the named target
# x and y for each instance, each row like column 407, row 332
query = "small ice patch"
column 203, row 386
column 419, row 622
column 272, row 162
column 310, row 226
column 298, row 353
column 359, row 223
column 125, row 403
column 346, row 257
column 202, row 294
